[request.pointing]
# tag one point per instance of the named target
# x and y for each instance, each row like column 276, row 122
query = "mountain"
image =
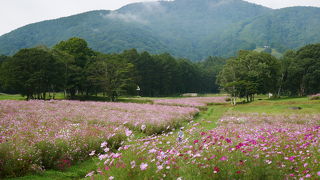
column 193, row 29
column 284, row 28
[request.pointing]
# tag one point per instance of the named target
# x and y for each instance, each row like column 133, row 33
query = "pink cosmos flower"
column 212, row 157
column 103, row 156
column 116, row 155
column 106, row 149
column 216, row 169
column 143, row 166
column 152, row 151
column 292, row 158
column 128, row 132
column 318, row 173
column 223, row 158
column 104, row 144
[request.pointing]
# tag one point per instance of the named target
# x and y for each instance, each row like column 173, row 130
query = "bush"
column 18, row 160
column 315, row 97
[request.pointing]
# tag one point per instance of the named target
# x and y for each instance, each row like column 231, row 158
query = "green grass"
column 212, row 115
column 101, row 98
column 11, row 97
column 4, row 96
column 280, row 106
column 77, row 171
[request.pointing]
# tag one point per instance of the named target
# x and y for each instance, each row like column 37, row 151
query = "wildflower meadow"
column 242, row 146
column 39, row 135
column 152, row 141
column 191, row 102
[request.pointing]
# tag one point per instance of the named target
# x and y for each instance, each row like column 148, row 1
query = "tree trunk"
column 280, row 86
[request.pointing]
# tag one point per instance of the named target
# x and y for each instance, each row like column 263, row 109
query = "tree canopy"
column 250, row 73
column 31, row 72
column 297, row 73
column 72, row 67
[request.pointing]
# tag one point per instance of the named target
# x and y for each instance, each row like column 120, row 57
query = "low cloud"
column 219, row 3
column 153, row 6
column 126, row 17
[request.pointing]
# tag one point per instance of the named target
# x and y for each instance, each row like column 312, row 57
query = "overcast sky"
column 17, row 13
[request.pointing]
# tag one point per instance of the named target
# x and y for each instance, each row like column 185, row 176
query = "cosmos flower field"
column 192, row 101
column 140, row 140
column 242, row 146
column 39, row 135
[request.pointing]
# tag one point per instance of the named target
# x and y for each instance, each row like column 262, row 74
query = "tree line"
column 297, row 73
column 75, row 69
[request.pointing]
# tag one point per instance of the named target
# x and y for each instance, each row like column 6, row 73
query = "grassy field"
column 280, row 106
column 4, row 96
column 11, row 97
column 223, row 162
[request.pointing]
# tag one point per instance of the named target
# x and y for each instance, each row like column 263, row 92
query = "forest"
column 75, row 69
column 297, row 73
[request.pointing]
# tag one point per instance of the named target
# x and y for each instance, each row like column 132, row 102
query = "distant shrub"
column 227, row 99
column 315, row 97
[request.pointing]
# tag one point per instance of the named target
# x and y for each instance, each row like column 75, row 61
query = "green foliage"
column 296, row 73
column 112, row 74
column 3, row 58
column 283, row 29
column 210, row 68
column 77, row 55
column 163, row 75
column 187, row 29
column 78, row 48
column 250, row 73
column 57, row 155
column 71, row 66
column 31, row 72
column 301, row 71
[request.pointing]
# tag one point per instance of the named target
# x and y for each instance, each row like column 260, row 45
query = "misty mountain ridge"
column 193, row 29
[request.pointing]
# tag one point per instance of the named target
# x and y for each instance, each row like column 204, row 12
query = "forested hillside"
column 193, row 29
